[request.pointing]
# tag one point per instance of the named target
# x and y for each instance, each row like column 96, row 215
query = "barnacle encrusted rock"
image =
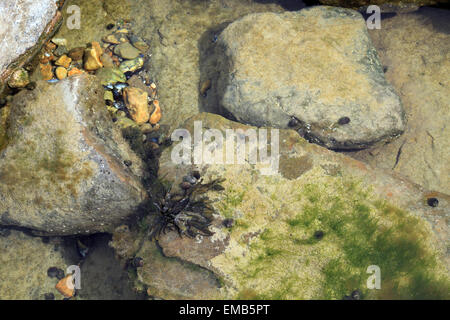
column 317, row 65
column 62, row 166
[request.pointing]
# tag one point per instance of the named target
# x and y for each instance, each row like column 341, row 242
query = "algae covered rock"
column 317, row 65
column 23, row 266
column 311, row 229
column 62, row 170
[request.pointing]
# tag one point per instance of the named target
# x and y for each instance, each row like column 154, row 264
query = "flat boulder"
column 62, row 165
column 316, row 66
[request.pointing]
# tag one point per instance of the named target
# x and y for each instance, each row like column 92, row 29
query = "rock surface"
column 415, row 50
column 24, row 262
column 329, row 70
column 63, row 171
column 384, row 4
column 31, row 20
column 181, row 35
column 366, row 216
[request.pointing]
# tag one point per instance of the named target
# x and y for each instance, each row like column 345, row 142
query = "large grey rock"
column 63, row 171
column 24, row 24
column 317, row 65
column 415, row 49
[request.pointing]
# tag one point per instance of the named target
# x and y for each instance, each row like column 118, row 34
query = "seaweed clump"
column 189, row 213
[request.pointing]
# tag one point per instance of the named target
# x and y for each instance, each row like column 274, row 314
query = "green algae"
column 359, row 231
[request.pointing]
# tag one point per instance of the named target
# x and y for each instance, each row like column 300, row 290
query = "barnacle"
column 190, row 214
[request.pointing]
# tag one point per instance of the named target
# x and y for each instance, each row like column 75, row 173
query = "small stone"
column 64, row 288
column 108, row 96
column 74, row 71
column 343, row 120
column 124, row 122
column 61, row 73
column 55, row 272
column 156, row 115
column 126, row 51
column 136, row 102
column 63, row 61
column 46, row 71
column 356, row 295
column 60, row 41
column 76, row 53
column 92, row 57
column 49, row 296
column 50, row 46
column 433, row 202
column 318, row 234
column 31, row 86
column 132, row 65
column 146, row 128
column 114, row 38
column 19, row 79
column 293, row 122
column 141, row 46
column 110, row 26
column 110, row 76
column 107, row 60
column 228, row 223
column 61, row 50
column 206, row 85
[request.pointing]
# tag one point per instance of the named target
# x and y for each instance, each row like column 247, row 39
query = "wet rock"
column 63, row 61
column 415, row 48
column 274, row 243
column 110, row 76
column 60, row 41
column 126, row 51
column 386, row 5
column 320, row 79
column 23, row 267
column 136, row 101
column 61, row 50
column 46, row 71
column 19, row 79
column 182, row 48
column 92, row 57
column 74, row 71
column 63, row 173
column 132, row 65
column 34, row 21
column 76, row 53
column 107, row 60
column 61, row 73
column 156, row 114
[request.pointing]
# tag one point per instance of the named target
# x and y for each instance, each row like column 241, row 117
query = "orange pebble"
column 156, row 115
column 74, row 71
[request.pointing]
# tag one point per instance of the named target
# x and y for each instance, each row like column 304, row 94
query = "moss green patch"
column 233, row 198
column 287, row 260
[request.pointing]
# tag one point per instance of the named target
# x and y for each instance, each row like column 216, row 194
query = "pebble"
column 61, row 73
column 74, row 71
column 156, row 115
column 132, row 65
column 19, row 78
column 107, row 61
column 115, row 38
column 55, row 272
column 76, row 53
column 108, row 96
column 60, row 51
column 49, row 296
column 318, row 234
column 110, row 76
column 126, row 51
column 92, row 57
column 344, row 120
column 63, row 61
column 50, row 46
column 46, row 71
column 136, row 102
column 146, row 128
column 60, row 41
column 206, row 85
column 433, row 202
column 64, row 289
column 110, row 26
